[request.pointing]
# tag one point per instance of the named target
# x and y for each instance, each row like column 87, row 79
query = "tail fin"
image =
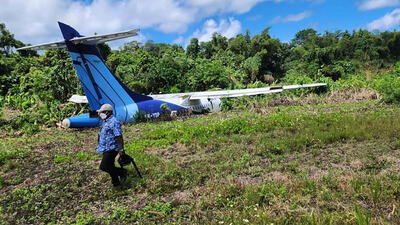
column 98, row 83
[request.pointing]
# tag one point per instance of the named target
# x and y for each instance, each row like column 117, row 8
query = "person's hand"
column 121, row 153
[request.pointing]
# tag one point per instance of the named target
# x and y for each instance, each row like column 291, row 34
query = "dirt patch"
column 352, row 95
column 280, row 177
column 393, row 161
column 356, row 164
column 171, row 151
column 342, row 96
column 248, row 180
column 317, row 173
column 179, row 197
column 284, row 101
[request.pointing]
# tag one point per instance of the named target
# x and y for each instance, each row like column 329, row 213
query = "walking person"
column 110, row 144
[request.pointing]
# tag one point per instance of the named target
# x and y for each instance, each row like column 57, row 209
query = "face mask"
column 103, row 116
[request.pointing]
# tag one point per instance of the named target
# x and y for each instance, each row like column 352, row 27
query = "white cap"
column 105, row 107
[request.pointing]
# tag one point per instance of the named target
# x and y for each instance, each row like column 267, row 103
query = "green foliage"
column 389, row 86
column 361, row 217
column 62, row 158
column 8, row 154
column 193, row 49
column 266, row 194
column 207, row 75
column 84, row 219
column 7, row 41
column 164, row 107
column 351, row 82
column 83, row 156
column 227, row 104
column 252, row 66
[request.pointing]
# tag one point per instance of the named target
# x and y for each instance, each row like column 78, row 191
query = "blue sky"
column 177, row 21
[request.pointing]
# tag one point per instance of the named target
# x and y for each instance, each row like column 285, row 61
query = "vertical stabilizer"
column 98, row 83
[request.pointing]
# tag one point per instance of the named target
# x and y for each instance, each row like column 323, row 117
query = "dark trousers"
column 107, row 165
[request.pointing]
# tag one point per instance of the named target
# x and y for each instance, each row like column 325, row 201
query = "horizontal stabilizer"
column 92, row 40
column 51, row 45
column 97, row 39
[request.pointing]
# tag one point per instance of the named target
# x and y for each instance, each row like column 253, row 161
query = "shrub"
column 294, row 78
column 389, row 86
column 352, row 82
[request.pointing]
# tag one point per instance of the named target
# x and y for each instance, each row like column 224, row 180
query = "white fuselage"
column 198, row 105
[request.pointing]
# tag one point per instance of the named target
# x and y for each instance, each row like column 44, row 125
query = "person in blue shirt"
column 110, row 144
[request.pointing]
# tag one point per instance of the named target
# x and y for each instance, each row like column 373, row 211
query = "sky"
column 177, row 21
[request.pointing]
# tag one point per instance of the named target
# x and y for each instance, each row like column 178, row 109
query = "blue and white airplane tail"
column 98, row 83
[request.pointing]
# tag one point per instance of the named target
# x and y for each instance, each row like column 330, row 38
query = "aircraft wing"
column 234, row 93
column 91, row 40
column 216, row 94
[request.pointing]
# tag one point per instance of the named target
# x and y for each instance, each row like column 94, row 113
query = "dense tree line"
column 46, row 81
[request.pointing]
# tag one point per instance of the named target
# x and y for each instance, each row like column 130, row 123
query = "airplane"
column 101, row 86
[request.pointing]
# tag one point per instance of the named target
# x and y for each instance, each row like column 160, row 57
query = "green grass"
column 325, row 163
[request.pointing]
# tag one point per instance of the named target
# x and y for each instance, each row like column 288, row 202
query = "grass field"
column 305, row 163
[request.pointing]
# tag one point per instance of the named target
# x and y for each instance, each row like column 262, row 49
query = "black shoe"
column 124, row 176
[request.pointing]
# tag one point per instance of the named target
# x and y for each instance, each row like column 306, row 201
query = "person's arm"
column 120, row 141
column 117, row 130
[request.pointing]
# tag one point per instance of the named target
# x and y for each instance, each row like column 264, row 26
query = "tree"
column 208, row 74
column 272, row 52
column 7, row 41
column 131, row 46
column 305, row 37
column 218, row 43
column 206, row 50
column 193, row 49
column 104, row 50
column 252, row 67
column 240, row 45
column 394, row 44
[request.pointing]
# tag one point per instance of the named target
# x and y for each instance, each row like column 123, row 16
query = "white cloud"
column 387, row 21
column 292, row 18
column 228, row 28
column 376, row 4
column 209, row 7
column 34, row 21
